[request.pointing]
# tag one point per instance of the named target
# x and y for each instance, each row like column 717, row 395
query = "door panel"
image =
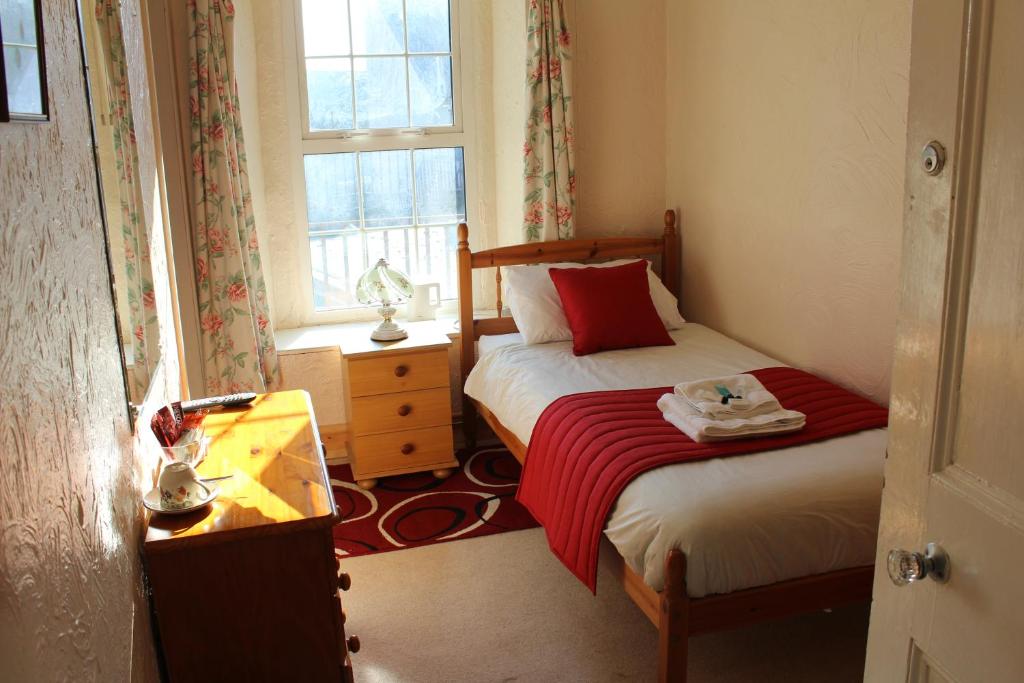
column 992, row 385
column 971, row 625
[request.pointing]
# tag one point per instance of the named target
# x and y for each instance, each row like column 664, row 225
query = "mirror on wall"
column 120, row 185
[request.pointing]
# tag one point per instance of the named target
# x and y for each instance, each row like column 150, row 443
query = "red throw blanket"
column 587, row 447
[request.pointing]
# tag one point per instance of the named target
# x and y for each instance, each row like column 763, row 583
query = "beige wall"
column 72, row 605
column 619, row 93
column 785, row 139
column 775, row 128
column 508, row 45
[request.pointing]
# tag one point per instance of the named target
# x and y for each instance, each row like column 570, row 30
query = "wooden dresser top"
column 279, row 480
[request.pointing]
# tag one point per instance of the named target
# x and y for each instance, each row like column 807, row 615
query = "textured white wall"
column 246, row 78
column 785, row 139
column 71, row 600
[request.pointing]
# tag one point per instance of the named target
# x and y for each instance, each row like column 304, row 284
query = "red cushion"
column 609, row 308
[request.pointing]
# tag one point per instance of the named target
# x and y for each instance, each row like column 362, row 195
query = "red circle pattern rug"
column 411, row 510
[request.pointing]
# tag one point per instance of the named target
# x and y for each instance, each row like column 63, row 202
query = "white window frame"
column 366, row 140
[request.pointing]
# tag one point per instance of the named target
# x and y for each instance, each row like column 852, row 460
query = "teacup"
column 180, row 487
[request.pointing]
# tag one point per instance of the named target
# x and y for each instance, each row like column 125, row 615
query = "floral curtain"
column 145, row 332
column 549, row 176
column 237, row 337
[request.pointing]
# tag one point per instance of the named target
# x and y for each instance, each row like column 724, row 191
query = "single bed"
column 810, row 508
column 703, row 545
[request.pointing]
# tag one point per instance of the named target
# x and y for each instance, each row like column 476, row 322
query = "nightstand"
column 399, row 406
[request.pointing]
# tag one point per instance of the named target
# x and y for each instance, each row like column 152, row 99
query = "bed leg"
column 469, row 423
column 673, row 621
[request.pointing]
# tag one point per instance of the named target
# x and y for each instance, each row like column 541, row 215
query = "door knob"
column 907, row 567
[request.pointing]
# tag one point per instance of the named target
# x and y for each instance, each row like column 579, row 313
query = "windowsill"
column 326, row 337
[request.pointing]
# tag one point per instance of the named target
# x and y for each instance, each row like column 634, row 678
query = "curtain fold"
column 137, row 272
column 549, row 179
column 237, row 337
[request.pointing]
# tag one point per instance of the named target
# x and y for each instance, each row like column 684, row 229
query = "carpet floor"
column 501, row 608
column 412, row 510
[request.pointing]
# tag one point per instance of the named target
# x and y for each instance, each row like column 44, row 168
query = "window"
column 22, row 65
column 383, row 158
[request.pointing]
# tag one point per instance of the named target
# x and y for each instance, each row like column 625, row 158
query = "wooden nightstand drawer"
column 393, row 412
column 379, row 454
column 398, row 372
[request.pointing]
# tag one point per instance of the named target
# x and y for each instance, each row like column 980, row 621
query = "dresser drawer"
column 393, row 412
column 391, row 374
column 378, row 454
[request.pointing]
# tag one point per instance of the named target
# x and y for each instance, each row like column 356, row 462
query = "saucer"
column 152, row 502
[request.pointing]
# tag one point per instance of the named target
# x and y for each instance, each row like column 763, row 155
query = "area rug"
column 418, row 509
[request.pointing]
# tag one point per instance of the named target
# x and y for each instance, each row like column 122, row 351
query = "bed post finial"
column 670, row 254
column 463, row 232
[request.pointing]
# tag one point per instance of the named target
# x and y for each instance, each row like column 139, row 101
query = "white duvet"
column 743, row 521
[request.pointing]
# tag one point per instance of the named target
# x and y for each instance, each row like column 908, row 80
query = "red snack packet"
column 163, row 426
column 194, row 419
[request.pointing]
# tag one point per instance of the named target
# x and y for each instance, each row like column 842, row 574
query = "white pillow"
column 537, row 309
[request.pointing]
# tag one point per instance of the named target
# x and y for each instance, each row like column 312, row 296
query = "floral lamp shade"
column 384, row 285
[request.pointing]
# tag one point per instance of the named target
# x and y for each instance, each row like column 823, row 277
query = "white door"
column 955, row 470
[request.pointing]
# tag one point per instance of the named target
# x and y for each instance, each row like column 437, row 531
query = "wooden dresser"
column 248, row 587
column 399, row 405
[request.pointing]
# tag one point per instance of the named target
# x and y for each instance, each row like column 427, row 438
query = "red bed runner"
column 587, row 447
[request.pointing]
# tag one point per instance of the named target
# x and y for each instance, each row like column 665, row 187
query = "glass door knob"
column 907, row 567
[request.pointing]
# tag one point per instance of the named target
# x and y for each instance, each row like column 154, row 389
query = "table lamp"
column 384, row 285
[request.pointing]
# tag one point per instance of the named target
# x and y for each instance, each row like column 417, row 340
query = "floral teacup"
column 180, row 487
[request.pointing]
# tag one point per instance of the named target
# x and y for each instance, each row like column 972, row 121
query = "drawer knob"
column 407, row 448
column 404, row 409
column 353, row 644
column 344, row 581
column 401, row 371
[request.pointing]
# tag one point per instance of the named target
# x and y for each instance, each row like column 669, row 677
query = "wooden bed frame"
column 673, row 612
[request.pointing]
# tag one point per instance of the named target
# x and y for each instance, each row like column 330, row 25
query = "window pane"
column 18, row 18
column 440, row 186
column 387, row 188
column 380, row 92
column 21, row 66
column 423, row 247
column 436, row 247
column 336, row 267
column 332, row 192
column 428, row 24
column 325, row 27
column 399, row 249
column 377, row 27
column 430, row 88
column 329, row 88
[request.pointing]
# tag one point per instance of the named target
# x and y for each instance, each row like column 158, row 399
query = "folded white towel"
column 744, row 396
column 702, row 428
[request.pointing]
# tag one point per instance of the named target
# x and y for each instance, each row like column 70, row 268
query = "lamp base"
column 388, row 331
